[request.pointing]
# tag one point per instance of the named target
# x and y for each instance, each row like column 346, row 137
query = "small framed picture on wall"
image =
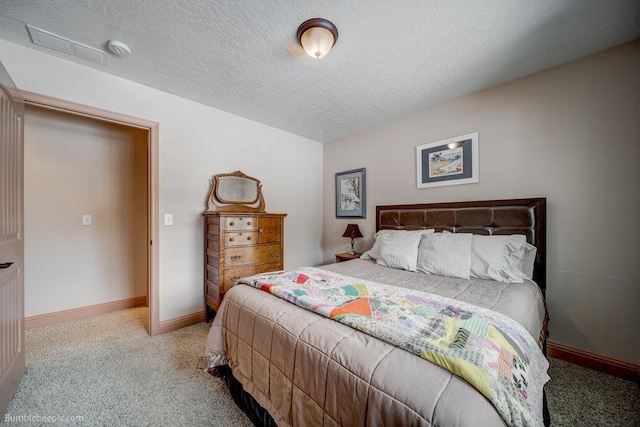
column 351, row 194
column 448, row 162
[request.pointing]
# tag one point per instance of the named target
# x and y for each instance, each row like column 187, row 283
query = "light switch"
column 168, row 219
column 86, row 219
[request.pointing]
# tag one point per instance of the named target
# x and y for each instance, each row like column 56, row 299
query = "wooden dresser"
column 239, row 244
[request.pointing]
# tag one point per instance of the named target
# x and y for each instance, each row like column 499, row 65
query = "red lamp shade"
column 352, row 231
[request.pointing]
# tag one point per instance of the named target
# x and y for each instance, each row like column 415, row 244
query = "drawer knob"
column 260, row 230
column 249, row 238
column 235, row 257
column 231, row 223
column 231, row 239
column 234, row 278
column 248, row 222
column 273, row 253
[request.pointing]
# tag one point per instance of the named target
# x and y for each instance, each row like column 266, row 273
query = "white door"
column 11, row 240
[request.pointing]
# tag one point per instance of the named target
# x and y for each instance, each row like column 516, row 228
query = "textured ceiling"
column 392, row 58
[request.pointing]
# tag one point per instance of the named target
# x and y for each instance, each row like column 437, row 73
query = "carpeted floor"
column 109, row 371
column 106, row 370
column 580, row 397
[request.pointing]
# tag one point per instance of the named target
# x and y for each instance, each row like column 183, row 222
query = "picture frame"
column 351, row 201
column 450, row 161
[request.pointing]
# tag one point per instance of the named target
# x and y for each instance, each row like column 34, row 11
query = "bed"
column 289, row 366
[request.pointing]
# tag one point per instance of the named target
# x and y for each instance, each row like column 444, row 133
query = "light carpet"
column 106, row 370
column 580, row 397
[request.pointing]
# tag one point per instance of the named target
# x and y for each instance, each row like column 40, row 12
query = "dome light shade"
column 317, row 36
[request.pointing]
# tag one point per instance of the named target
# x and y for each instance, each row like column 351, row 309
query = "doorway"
column 123, row 158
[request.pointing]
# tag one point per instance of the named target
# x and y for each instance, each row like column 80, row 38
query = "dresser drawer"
column 236, row 257
column 269, row 254
column 240, row 238
column 238, row 223
column 231, row 275
column 271, row 266
column 252, row 255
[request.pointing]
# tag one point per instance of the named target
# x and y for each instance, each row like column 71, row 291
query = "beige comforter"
column 309, row 370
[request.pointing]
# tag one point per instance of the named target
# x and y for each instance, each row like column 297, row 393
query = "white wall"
column 196, row 142
column 76, row 166
column 570, row 134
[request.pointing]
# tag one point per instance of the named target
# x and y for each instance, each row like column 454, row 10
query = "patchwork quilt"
column 492, row 352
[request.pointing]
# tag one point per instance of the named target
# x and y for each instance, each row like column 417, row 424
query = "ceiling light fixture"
column 317, row 36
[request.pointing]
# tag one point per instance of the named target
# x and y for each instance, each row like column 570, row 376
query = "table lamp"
column 353, row 232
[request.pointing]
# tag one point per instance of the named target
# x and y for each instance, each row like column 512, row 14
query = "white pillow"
column 497, row 257
column 374, row 252
column 399, row 250
column 445, row 254
column 526, row 266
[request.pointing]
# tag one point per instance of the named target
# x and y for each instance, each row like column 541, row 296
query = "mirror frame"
column 215, row 203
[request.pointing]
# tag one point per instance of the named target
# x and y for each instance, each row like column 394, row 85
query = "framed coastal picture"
column 448, row 162
column 351, row 194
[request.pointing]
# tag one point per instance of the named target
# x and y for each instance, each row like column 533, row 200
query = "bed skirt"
column 256, row 413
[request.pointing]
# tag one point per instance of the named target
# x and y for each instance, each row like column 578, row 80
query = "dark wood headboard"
column 513, row 216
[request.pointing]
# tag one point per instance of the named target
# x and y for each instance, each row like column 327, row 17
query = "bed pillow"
column 374, row 252
column 445, row 254
column 526, row 266
column 399, row 250
column 498, row 257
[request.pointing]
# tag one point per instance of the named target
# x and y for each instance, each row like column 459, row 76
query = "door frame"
column 153, row 249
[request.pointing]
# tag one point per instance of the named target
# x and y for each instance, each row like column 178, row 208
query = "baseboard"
column 181, row 322
column 82, row 312
column 617, row 368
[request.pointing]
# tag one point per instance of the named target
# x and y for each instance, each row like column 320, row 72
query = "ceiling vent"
column 61, row 44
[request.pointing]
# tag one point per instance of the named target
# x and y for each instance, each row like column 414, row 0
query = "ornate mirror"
column 235, row 192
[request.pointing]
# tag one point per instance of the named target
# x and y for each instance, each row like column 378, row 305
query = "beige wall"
column 196, row 142
column 76, row 166
column 570, row 134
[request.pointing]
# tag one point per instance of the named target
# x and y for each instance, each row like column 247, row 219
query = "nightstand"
column 347, row 256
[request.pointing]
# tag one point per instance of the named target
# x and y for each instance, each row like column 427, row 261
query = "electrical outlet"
column 168, row 219
column 86, row 219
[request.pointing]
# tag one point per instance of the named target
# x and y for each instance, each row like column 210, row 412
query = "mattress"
column 305, row 369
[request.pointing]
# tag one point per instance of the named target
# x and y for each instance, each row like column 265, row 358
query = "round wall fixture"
column 118, row 48
column 317, row 36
